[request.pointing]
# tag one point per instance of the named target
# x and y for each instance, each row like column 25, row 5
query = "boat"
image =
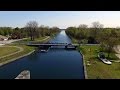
column 101, row 56
column 43, row 50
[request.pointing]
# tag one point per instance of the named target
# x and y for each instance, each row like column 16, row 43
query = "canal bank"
column 84, row 66
column 18, row 44
column 11, row 60
column 57, row 63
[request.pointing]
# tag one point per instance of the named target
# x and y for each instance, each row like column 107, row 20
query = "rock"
column 24, row 75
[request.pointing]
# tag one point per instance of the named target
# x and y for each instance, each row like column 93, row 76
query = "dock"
column 24, row 75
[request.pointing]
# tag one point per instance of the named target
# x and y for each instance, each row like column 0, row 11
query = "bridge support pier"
column 66, row 47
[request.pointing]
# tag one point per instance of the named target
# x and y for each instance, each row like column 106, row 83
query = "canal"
column 57, row 63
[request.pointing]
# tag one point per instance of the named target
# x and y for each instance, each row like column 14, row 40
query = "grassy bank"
column 7, row 50
column 96, row 69
column 40, row 39
column 26, row 49
column 22, row 44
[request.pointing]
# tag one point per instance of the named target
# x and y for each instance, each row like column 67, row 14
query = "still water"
column 57, row 63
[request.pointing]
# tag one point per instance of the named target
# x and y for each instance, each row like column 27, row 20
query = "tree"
column 16, row 34
column 108, row 39
column 83, row 26
column 96, row 27
column 32, row 27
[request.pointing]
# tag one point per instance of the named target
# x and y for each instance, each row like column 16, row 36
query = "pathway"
column 45, row 38
column 20, row 50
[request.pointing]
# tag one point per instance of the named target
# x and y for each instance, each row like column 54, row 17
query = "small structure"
column 3, row 38
column 24, row 75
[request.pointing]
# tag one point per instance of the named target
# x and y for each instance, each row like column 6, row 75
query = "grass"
column 41, row 38
column 21, row 43
column 7, row 50
column 26, row 50
column 97, row 69
column 24, row 41
column 74, row 40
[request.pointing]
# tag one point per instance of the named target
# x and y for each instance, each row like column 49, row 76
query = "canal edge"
column 85, row 71
column 14, row 59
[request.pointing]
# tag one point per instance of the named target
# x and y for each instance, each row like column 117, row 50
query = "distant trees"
column 83, row 26
column 95, row 30
column 106, row 37
column 6, row 31
column 17, row 33
column 31, row 30
column 85, row 34
column 97, row 25
column 32, row 27
column 34, row 31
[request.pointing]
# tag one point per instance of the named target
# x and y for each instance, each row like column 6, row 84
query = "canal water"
column 57, row 63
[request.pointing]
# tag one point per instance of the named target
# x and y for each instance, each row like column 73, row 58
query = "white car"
column 104, row 60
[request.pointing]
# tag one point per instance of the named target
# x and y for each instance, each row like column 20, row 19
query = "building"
column 3, row 38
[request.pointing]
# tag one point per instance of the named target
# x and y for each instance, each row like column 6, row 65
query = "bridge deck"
column 33, row 44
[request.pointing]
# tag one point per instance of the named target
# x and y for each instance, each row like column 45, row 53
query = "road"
column 9, row 41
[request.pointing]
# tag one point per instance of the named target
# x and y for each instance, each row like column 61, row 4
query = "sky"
column 61, row 19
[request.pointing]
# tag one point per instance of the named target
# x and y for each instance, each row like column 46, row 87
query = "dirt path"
column 20, row 50
column 45, row 38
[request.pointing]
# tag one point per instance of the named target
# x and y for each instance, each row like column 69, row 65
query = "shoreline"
column 84, row 66
column 14, row 59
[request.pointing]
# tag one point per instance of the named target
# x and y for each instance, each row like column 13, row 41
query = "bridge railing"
column 46, row 43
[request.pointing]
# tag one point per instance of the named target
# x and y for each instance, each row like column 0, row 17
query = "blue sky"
column 61, row 19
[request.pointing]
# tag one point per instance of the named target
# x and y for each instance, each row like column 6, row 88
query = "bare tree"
column 32, row 27
column 83, row 26
column 97, row 25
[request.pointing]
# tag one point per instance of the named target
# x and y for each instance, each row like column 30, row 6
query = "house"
column 3, row 38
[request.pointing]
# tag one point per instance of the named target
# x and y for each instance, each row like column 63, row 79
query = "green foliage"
column 97, row 69
column 18, row 33
column 106, row 37
column 5, row 31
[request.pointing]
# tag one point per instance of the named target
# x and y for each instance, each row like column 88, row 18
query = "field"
column 96, row 69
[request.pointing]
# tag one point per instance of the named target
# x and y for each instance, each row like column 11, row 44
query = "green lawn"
column 7, row 50
column 41, row 39
column 26, row 50
column 22, row 43
column 97, row 69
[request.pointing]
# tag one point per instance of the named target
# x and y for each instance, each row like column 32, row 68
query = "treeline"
column 31, row 29
column 106, row 37
column 91, row 35
column 6, row 31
